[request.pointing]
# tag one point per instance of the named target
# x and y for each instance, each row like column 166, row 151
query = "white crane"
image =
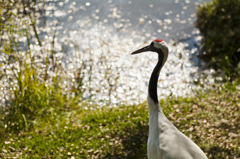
column 165, row 141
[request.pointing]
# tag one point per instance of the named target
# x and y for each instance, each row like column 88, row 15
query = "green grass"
column 211, row 120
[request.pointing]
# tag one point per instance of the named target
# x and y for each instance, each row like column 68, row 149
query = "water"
column 166, row 19
column 107, row 31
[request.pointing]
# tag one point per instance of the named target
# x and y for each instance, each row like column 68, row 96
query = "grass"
column 211, row 120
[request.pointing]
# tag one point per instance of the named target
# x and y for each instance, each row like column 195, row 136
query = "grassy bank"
column 211, row 120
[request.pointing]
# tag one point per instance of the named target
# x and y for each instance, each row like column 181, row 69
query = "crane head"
column 159, row 46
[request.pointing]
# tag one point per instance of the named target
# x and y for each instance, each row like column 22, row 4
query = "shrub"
column 219, row 23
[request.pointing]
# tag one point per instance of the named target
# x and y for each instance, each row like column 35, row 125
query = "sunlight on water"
column 101, row 35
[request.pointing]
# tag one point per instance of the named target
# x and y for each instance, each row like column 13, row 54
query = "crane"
column 165, row 141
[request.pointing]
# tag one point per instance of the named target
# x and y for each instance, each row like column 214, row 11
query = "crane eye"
column 152, row 44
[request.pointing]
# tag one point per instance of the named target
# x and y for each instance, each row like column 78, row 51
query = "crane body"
column 165, row 141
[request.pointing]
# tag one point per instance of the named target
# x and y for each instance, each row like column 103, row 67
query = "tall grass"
column 31, row 79
column 28, row 95
column 36, row 83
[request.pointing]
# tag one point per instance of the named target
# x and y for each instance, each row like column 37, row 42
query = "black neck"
column 152, row 88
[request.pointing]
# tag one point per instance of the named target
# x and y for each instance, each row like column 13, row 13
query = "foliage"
column 211, row 120
column 219, row 23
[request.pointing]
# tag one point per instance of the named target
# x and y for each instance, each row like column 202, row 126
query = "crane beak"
column 144, row 49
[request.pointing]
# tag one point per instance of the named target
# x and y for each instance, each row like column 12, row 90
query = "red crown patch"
column 158, row 40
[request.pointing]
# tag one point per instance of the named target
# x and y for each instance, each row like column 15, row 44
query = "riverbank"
column 210, row 119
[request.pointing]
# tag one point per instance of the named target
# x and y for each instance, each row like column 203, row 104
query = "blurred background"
column 92, row 42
